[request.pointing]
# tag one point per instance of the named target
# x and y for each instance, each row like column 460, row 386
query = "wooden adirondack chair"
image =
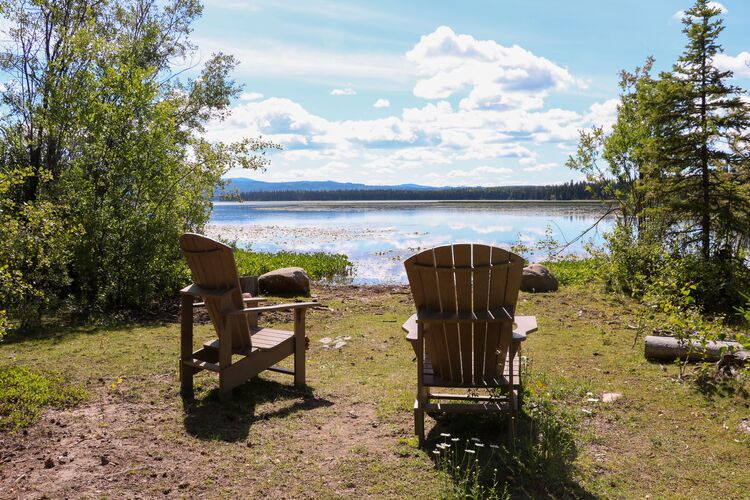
column 218, row 285
column 465, row 333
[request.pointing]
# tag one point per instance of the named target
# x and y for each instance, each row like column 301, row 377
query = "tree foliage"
column 678, row 161
column 102, row 156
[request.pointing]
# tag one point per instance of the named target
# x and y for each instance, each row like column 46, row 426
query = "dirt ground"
column 350, row 432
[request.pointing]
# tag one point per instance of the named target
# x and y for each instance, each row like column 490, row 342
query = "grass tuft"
column 24, row 393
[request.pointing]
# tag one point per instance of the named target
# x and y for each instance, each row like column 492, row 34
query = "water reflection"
column 378, row 236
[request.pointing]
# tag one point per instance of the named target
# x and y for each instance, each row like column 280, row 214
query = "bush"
column 34, row 253
column 24, row 393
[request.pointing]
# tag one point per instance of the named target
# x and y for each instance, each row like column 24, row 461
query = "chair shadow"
column 209, row 418
column 539, row 463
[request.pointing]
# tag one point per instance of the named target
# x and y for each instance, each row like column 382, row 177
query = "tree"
column 616, row 161
column 700, row 145
column 105, row 133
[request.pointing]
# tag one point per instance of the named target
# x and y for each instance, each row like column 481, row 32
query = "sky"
column 482, row 93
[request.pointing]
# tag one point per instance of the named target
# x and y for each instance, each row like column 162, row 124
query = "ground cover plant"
column 318, row 265
column 350, row 432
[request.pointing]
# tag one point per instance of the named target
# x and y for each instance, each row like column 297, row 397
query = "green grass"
column 24, row 393
column 574, row 271
column 318, row 265
column 350, row 433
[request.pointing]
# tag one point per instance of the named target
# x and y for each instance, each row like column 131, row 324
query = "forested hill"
column 568, row 191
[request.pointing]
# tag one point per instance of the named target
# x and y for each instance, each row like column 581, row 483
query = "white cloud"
column 498, row 77
column 346, row 91
column 366, row 69
column 677, row 16
column 250, row 96
column 498, row 116
column 739, row 64
column 603, row 114
column 382, row 103
column 540, row 168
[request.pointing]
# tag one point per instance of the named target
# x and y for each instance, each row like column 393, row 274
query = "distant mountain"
column 249, row 186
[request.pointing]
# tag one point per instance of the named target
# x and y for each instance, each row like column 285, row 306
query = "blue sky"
column 438, row 93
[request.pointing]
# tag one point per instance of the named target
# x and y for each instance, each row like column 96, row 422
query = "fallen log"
column 671, row 348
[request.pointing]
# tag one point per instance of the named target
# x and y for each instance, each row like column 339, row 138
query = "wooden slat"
column 498, row 407
column 275, row 307
column 462, row 257
column 460, row 268
column 434, row 340
column 251, row 365
column 450, row 364
column 203, row 365
column 464, row 397
column 199, row 291
column 499, row 315
column 415, row 281
column 279, row 369
column 433, row 380
column 480, row 299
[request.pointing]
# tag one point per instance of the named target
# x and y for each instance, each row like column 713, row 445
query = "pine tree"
column 700, row 145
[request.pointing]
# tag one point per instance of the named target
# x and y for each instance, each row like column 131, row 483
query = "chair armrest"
column 499, row 315
column 410, row 327
column 523, row 325
column 275, row 307
column 198, row 291
column 253, row 300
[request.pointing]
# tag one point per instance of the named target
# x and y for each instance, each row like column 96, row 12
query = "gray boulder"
column 537, row 278
column 288, row 280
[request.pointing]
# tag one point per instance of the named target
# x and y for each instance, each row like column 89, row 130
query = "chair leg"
column 419, row 421
column 186, row 345
column 299, row 348
column 186, row 380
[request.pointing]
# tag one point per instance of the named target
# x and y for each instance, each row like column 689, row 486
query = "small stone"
column 49, row 463
column 611, row 397
column 104, row 460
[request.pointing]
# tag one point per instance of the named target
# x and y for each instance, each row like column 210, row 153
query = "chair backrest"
column 213, row 268
column 466, row 278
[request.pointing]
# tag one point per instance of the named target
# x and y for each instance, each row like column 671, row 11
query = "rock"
column 611, row 397
column 288, row 280
column 537, row 278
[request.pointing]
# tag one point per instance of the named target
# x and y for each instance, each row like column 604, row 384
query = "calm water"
column 378, row 236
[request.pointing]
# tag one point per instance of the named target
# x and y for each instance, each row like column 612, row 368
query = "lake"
column 378, row 236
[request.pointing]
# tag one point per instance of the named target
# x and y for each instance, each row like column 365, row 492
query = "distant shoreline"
column 420, row 202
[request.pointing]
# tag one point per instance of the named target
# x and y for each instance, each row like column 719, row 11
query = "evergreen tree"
column 699, row 148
